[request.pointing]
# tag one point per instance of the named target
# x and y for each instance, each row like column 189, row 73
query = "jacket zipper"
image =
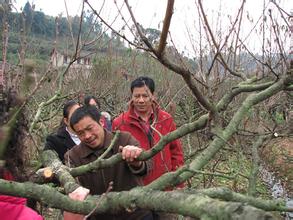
column 104, row 180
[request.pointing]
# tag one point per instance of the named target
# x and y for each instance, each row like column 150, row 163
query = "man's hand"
column 130, row 153
column 79, row 194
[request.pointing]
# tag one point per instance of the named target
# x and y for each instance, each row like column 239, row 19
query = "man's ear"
column 65, row 120
column 102, row 122
column 154, row 97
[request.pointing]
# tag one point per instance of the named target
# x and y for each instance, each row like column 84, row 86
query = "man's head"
column 143, row 81
column 92, row 100
column 85, row 121
column 142, row 90
column 68, row 109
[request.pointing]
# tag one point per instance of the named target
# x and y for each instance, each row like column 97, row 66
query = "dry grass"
column 278, row 155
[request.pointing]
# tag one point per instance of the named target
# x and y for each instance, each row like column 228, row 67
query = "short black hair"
column 67, row 107
column 84, row 111
column 143, row 81
column 88, row 98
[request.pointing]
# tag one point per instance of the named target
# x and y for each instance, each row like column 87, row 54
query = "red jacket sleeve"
column 115, row 124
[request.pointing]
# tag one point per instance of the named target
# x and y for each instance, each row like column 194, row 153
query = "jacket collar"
column 155, row 109
column 62, row 132
column 85, row 150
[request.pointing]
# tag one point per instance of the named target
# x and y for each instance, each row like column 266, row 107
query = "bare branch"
column 141, row 34
column 281, row 49
column 167, row 21
column 112, row 29
column 216, row 44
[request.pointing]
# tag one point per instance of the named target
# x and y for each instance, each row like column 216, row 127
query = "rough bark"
column 226, row 194
column 255, row 166
column 188, row 204
column 50, row 159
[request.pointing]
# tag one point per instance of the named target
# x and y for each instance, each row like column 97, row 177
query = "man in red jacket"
column 147, row 122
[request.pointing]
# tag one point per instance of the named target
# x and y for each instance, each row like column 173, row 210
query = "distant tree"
column 39, row 23
column 152, row 34
column 5, row 9
column 75, row 22
column 28, row 16
column 50, row 26
column 91, row 24
column 63, row 26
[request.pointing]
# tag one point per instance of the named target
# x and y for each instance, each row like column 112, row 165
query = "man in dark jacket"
column 65, row 138
column 95, row 140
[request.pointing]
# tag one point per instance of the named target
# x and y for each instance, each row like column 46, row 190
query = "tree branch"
column 228, row 195
column 51, row 160
column 220, row 139
column 164, row 34
column 255, row 166
column 216, row 44
column 195, row 205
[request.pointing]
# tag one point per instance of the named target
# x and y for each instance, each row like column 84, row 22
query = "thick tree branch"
column 45, row 194
column 255, row 166
column 51, row 160
column 195, row 205
column 164, row 34
column 240, row 88
column 228, row 195
column 221, row 139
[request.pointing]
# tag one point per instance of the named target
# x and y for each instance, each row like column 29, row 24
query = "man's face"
column 142, row 99
column 90, row 132
column 93, row 102
column 72, row 109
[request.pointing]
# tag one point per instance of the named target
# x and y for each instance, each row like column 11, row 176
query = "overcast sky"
column 150, row 13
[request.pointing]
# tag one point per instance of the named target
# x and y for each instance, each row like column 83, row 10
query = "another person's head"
column 68, row 109
column 142, row 94
column 92, row 100
column 85, row 122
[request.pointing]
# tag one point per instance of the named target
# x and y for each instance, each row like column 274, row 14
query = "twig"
column 110, row 187
column 180, row 57
column 117, row 134
column 141, row 34
column 216, row 44
column 211, row 174
column 178, row 69
column 281, row 50
column 112, row 29
column 69, row 24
